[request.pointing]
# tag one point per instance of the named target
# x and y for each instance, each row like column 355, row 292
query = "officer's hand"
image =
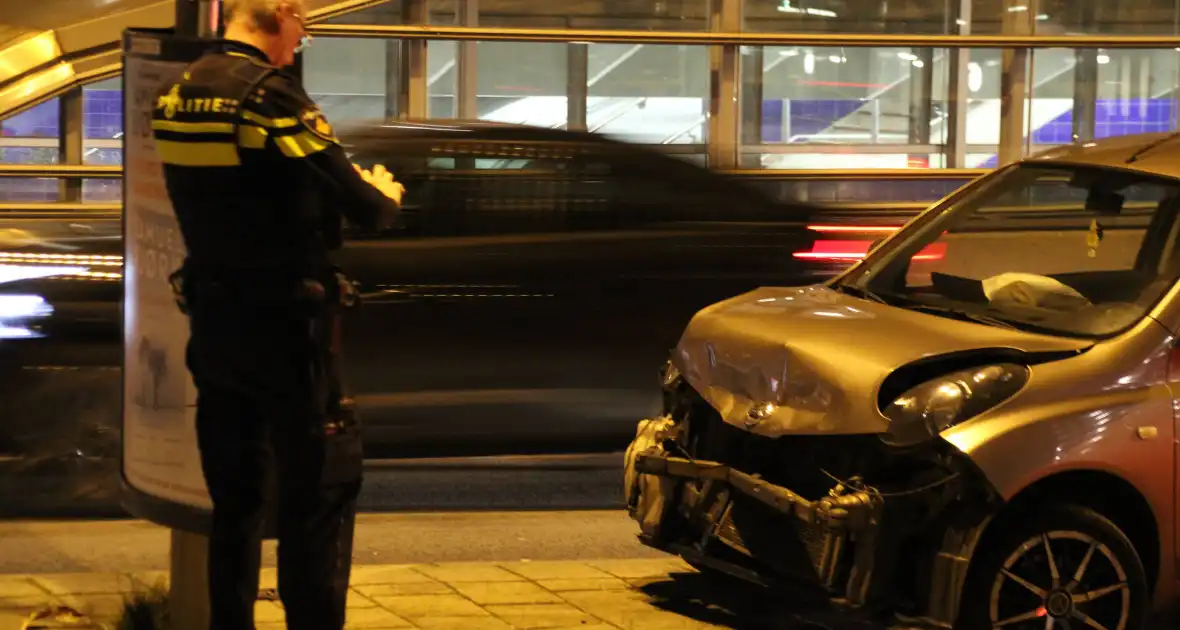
column 382, row 180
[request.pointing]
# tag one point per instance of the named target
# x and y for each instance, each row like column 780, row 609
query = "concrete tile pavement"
column 663, row 594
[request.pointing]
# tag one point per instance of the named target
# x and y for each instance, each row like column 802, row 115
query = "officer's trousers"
column 256, row 376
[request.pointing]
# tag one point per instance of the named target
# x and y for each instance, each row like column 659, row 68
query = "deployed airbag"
column 1026, row 289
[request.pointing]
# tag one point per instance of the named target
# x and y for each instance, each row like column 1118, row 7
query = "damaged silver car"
column 973, row 427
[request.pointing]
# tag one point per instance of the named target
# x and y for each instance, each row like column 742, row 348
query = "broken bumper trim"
column 849, row 511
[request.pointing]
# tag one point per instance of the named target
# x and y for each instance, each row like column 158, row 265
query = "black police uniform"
column 258, row 183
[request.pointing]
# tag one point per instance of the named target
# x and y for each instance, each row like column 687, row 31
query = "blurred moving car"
column 536, row 276
column 973, row 428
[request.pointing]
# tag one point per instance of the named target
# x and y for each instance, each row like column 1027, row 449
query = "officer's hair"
column 262, row 13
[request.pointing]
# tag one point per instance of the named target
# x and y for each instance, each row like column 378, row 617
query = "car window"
column 1081, row 251
column 505, row 187
column 478, row 163
column 492, row 188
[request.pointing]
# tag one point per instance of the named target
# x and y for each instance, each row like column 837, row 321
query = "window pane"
column 41, row 121
column 29, row 190
column 103, row 190
column 388, row 12
column 522, row 82
column 441, row 78
column 849, row 16
column 649, row 94
column 1084, row 95
column 102, row 109
column 865, row 107
column 30, row 138
column 1054, row 17
column 1109, row 17
column 351, row 79
column 102, row 113
column 681, row 15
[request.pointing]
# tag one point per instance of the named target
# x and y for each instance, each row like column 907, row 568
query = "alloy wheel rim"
column 1061, row 580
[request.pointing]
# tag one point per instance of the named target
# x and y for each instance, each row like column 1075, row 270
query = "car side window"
column 494, row 188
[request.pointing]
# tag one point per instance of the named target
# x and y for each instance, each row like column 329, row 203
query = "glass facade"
column 839, row 105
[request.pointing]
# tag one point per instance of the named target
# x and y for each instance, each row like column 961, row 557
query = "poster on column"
column 160, row 457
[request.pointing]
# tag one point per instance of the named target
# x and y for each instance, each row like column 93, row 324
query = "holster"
column 334, row 417
column 341, row 426
column 181, row 285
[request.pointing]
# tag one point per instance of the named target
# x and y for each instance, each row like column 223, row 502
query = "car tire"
column 1012, row 574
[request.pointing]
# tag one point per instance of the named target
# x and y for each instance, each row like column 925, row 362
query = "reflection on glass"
column 531, row 91
column 351, row 79
column 841, row 16
column 1083, row 95
column 648, row 94
column 664, row 15
column 102, row 110
column 30, row 138
column 442, row 79
column 1052, row 17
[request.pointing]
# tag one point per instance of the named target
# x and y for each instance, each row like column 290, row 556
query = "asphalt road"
column 554, row 482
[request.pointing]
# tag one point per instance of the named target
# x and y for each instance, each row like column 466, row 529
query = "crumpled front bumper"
column 647, row 495
column 695, row 508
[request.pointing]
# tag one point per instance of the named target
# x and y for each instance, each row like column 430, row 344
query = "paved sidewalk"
column 662, row 594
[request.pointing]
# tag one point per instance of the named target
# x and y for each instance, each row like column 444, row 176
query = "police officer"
column 258, row 182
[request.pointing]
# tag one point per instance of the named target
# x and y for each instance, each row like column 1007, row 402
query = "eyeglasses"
column 304, row 41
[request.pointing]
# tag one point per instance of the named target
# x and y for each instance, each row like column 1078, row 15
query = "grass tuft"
column 145, row 610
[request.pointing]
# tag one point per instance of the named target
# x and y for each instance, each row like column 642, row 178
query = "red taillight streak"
column 851, row 256
column 854, row 228
column 830, row 255
column 856, row 250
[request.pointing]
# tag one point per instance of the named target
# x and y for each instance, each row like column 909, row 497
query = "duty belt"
column 188, row 287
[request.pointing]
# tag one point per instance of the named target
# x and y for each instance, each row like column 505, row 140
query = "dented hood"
column 811, row 360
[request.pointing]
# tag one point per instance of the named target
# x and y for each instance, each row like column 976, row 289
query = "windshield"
column 1067, row 250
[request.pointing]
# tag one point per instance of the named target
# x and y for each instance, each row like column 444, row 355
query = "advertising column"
column 161, row 465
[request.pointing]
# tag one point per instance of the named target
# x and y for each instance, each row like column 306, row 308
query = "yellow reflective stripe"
column 192, row 127
column 301, row 144
column 274, row 123
column 252, row 137
column 197, row 153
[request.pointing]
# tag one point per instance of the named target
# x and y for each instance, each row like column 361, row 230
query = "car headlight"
column 19, row 314
column 928, row 409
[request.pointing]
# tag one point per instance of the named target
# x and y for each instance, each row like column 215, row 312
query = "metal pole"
column 958, row 89
column 70, row 142
column 751, row 78
column 467, row 64
column 413, row 87
column 187, row 12
column 198, row 18
column 725, row 76
column 209, row 18
column 1014, row 92
column 577, row 88
column 188, row 582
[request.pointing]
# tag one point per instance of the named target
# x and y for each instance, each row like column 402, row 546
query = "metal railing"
column 708, row 38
